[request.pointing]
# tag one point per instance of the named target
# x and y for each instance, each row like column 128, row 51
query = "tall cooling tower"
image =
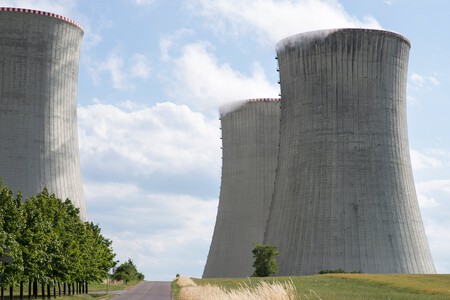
column 250, row 147
column 39, row 56
column 344, row 193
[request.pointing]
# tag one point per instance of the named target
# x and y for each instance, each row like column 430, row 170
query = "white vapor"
column 273, row 20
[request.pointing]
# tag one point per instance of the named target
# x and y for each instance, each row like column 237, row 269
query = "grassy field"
column 355, row 286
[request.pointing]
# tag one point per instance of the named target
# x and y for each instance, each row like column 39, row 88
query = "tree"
column 127, row 272
column 265, row 263
column 11, row 226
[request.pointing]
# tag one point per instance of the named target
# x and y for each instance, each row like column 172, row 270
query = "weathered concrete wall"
column 344, row 193
column 250, row 147
column 39, row 56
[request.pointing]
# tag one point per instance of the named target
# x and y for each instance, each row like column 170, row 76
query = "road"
column 148, row 290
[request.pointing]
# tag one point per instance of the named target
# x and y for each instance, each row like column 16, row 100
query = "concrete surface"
column 148, row 290
column 39, row 57
column 344, row 193
column 250, row 147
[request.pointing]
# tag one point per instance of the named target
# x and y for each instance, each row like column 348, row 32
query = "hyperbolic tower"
column 250, row 147
column 39, row 57
column 344, row 193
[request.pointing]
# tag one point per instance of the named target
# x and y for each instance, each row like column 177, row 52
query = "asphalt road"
column 148, row 290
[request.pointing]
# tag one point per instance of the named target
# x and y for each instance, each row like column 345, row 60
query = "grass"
column 101, row 288
column 352, row 286
column 263, row 290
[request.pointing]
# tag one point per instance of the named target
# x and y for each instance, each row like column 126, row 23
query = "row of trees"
column 44, row 242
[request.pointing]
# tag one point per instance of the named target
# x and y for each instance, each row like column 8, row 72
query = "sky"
column 153, row 74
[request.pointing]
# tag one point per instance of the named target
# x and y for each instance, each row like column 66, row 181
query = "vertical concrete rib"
column 344, row 193
column 39, row 57
column 250, row 148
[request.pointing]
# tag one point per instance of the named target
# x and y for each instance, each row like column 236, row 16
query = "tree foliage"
column 48, row 242
column 265, row 264
column 127, row 272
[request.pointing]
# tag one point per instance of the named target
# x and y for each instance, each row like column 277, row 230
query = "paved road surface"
column 148, row 290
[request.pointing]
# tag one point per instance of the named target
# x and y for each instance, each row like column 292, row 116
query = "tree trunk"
column 59, row 289
column 35, row 289
column 54, row 291
column 49, row 295
column 1, row 292
column 11, row 292
column 87, row 288
column 43, row 290
column 68, row 289
column 73, row 288
column 21, row 290
column 29, row 288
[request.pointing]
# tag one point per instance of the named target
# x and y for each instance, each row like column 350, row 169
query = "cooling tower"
column 250, row 132
column 344, row 194
column 39, row 56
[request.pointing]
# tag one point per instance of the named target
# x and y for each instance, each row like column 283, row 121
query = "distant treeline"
column 43, row 242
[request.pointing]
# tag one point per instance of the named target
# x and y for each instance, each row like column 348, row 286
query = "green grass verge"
column 355, row 286
column 175, row 289
column 101, row 288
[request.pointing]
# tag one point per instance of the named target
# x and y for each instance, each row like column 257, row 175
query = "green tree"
column 11, row 226
column 265, row 264
column 127, row 272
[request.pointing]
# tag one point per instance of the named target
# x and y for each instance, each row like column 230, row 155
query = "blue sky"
column 153, row 74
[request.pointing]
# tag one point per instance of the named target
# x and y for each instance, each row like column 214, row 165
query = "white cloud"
column 144, row 2
column 167, row 42
column 438, row 233
column 442, row 185
column 202, row 81
column 165, row 138
column 276, row 19
column 140, row 67
column 425, row 202
column 160, row 232
column 419, row 82
column 61, row 7
column 421, row 161
column 120, row 71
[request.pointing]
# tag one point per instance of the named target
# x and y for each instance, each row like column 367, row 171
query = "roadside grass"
column 351, row 286
column 102, row 291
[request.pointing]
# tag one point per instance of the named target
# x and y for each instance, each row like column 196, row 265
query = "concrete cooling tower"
column 344, row 194
column 39, row 56
column 250, row 133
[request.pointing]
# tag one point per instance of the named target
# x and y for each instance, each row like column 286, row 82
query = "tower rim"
column 325, row 32
column 42, row 13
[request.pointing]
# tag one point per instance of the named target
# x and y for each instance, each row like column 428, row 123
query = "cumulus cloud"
column 420, row 82
column 168, row 42
column 201, row 80
column 138, row 139
column 160, row 232
column 442, row 185
column 438, row 233
column 120, row 70
column 426, row 202
column 62, row 7
column 421, row 161
column 140, row 66
column 273, row 20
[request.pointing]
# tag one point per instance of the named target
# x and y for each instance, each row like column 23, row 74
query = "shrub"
column 127, row 272
column 265, row 263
